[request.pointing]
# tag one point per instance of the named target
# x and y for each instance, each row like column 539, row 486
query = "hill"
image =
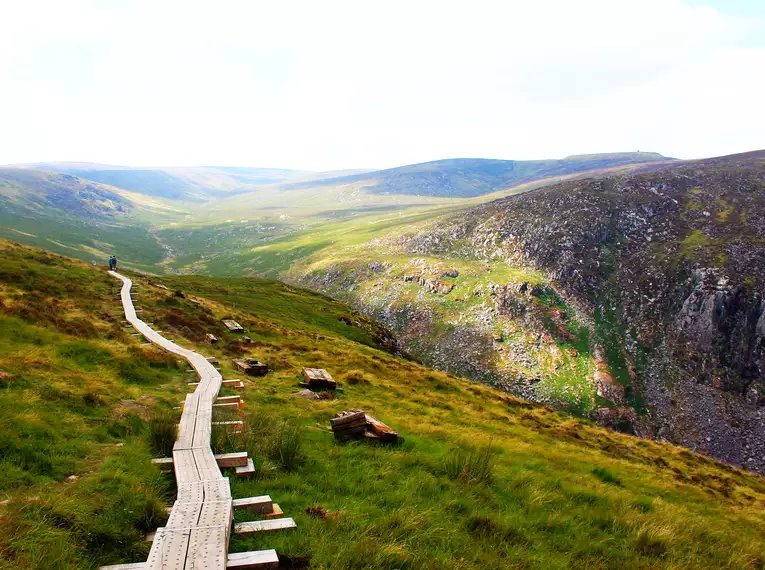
column 468, row 177
column 79, row 217
column 634, row 299
column 82, row 397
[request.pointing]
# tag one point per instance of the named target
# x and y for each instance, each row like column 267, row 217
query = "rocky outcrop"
column 664, row 267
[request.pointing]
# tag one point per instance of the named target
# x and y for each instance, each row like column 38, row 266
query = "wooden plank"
column 276, row 512
column 319, row 377
column 238, row 459
column 380, row 429
column 347, row 417
column 255, row 560
column 264, row 526
column 224, row 399
column 162, row 460
column 134, row 566
column 259, row 505
column 246, row 471
column 233, row 326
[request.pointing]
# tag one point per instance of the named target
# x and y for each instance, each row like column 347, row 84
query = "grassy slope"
column 563, row 494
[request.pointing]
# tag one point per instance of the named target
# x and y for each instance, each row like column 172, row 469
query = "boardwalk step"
column 276, row 512
column 225, row 399
column 260, row 505
column 264, row 526
column 246, row 471
column 237, row 459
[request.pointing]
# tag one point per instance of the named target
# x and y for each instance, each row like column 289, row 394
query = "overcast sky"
column 327, row 85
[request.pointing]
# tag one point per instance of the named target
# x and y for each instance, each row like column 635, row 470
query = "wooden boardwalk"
column 197, row 532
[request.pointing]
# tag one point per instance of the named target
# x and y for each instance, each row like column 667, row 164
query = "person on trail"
column 111, row 262
column 114, row 262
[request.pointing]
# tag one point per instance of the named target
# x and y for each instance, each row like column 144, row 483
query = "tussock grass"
column 163, row 431
column 475, row 465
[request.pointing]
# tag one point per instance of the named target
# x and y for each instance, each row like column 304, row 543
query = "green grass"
column 552, row 492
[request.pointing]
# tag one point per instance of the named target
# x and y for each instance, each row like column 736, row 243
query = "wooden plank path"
column 197, row 532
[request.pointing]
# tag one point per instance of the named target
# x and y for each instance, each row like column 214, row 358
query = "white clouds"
column 342, row 84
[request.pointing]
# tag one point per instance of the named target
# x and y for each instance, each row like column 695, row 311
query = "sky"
column 333, row 85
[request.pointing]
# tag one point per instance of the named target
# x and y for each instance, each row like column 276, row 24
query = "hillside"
column 634, row 299
column 83, row 397
column 468, row 177
column 81, row 218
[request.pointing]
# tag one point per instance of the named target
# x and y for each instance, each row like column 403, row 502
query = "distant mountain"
column 196, row 184
column 67, row 195
column 467, row 177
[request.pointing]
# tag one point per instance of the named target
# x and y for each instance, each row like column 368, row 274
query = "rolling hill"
column 483, row 480
column 469, row 177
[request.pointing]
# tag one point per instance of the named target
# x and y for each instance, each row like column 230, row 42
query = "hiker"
column 114, row 263
column 111, row 262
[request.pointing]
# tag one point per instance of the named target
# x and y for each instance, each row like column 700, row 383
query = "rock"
column 72, row 478
column 307, row 394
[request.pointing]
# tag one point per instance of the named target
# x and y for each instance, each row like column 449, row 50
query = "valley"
column 549, row 289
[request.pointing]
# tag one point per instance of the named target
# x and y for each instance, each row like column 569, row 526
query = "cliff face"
column 648, row 284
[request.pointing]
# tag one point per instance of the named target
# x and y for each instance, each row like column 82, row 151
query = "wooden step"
column 237, row 459
column 253, row 560
column 225, row 399
column 276, row 512
column 264, row 526
column 260, row 505
column 233, row 405
column 237, row 424
column 247, row 470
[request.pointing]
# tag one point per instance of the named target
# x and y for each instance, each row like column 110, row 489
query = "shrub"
column 163, row 431
column 474, row 466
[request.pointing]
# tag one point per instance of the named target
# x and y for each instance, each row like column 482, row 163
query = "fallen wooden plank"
column 380, row 429
column 254, row 560
column 250, row 366
column 259, row 505
column 233, row 326
column 318, row 377
column 264, row 526
column 347, row 417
